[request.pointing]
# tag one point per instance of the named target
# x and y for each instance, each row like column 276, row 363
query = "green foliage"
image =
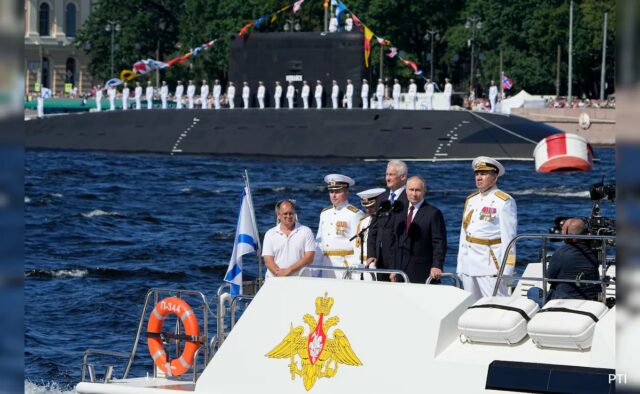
column 526, row 32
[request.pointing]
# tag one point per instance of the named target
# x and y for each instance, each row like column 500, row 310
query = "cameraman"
column 574, row 260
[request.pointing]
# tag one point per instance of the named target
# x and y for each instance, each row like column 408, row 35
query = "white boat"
column 303, row 334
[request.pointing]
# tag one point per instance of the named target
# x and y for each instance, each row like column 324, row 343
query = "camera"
column 594, row 224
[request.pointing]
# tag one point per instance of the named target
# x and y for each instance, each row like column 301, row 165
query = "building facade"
column 49, row 54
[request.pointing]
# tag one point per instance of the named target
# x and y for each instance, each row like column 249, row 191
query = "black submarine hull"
column 356, row 133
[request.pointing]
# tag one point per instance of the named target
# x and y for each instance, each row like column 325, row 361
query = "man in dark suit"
column 380, row 241
column 421, row 236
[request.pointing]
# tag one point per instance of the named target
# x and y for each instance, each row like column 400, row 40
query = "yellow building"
column 49, row 54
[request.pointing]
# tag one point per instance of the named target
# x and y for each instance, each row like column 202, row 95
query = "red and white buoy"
column 563, row 152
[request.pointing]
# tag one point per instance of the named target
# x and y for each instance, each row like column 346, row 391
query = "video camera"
column 595, row 224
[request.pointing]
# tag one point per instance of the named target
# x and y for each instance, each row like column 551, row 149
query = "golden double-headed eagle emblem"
column 319, row 355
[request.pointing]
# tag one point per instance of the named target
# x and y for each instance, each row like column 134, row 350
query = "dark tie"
column 392, row 198
column 409, row 218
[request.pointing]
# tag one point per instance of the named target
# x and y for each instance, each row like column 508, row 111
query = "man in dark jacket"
column 421, row 236
column 574, row 260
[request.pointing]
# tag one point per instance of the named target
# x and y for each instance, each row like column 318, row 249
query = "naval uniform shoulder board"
column 472, row 194
column 326, row 208
column 502, row 195
column 352, row 208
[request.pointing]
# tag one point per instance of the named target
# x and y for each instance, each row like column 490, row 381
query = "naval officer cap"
column 338, row 181
column 485, row 163
column 368, row 197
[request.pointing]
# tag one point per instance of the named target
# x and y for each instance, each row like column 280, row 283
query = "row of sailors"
column 261, row 95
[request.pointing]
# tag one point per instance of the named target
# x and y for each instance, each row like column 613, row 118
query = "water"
column 103, row 228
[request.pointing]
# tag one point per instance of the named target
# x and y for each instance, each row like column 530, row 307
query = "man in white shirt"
column 98, row 98
column 138, row 95
column 364, row 94
column 191, row 91
column 277, row 95
column 125, row 97
column 164, row 94
column 291, row 91
column 246, row 93
column 396, row 94
column 148, row 95
column 111, row 93
column 448, row 90
column 428, row 88
column 288, row 246
column 411, row 94
column 348, row 23
column 493, row 95
column 318, row 94
column 204, row 94
column 262, row 91
column 380, row 93
column 335, row 91
column 217, row 91
column 349, row 94
column 231, row 95
column 179, row 93
column 305, row 94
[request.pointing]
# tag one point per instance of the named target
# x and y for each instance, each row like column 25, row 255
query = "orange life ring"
column 178, row 307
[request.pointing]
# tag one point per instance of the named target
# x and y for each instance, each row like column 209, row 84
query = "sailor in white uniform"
column 40, row 105
column 411, row 94
column 380, row 93
column 291, row 91
column 246, row 94
column 349, row 94
column 448, row 90
column 335, row 91
column 231, row 95
column 277, row 95
column 98, row 98
column 305, row 94
column 217, row 91
column 368, row 201
column 191, row 91
column 148, row 95
column 318, row 94
column 493, row 95
column 262, row 92
column 164, row 94
column 489, row 223
column 396, row 94
column 125, row 97
column 429, row 90
column 204, row 95
column 178, row 94
column 111, row 93
column 138, row 95
column 338, row 223
column 364, row 94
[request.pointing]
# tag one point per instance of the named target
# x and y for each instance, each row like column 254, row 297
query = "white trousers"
column 412, row 102
column 138, row 103
column 205, row 102
column 276, row 102
column 334, row 101
column 349, row 102
column 396, row 102
column 98, row 105
column 245, row 101
column 365, row 102
column 318, row 102
column 290, row 102
column 261, row 102
column 125, row 103
column 380, row 100
column 149, row 103
column 190, row 102
column 305, row 102
column 112, row 104
column 216, row 102
column 164, row 102
column 447, row 99
column 482, row 286
column 232, row 104
column 492, row 100
column 429, row 102
column 179, row 102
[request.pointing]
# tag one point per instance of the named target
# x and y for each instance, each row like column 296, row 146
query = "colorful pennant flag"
column 413, row 65
column 393, row 51
column 127, row 75
column 297, row 5
column 368, row 35
column 244, row 29
column 340, row 8
column 506, row 83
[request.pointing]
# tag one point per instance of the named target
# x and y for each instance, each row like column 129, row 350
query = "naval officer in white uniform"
column 489, row 223
column 338, row 223
column 368, row 202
